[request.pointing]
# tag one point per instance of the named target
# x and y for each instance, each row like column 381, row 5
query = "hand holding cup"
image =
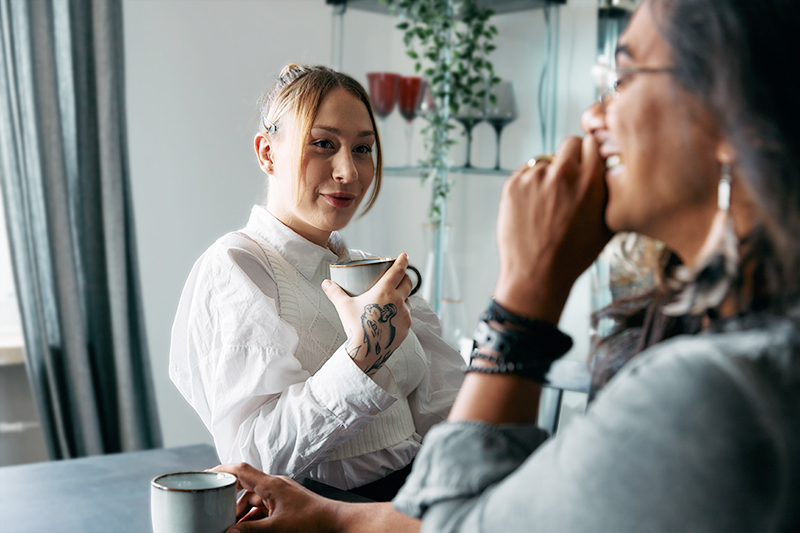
column 377, row 321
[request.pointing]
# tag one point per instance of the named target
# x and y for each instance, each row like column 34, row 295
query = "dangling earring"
column 707, row 284
column 724, row 188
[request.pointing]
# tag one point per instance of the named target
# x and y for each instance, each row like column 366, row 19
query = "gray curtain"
column 64, row 173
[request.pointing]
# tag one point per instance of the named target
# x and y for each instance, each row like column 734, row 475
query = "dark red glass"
column 409, row 93
column 383, row 91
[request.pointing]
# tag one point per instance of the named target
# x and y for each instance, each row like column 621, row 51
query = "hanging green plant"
column 474, row 74
column 452, row 53
column 450, row 41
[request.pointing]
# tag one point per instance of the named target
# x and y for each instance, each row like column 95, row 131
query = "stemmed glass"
column 383, row 91
column 426, row 104
column 469, row 117
column 409, row 95
column 502, row 111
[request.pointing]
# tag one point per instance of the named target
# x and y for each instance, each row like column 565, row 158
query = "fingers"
column 334, row 292
column 590, row 156
column 568, row 150
column 251, row 507
column 405, row 287
column 248, row 476
column 568, row 160
column 247, row 504
column 255, row 513
column 253, row 526
column 593, row 179
column 394, row 276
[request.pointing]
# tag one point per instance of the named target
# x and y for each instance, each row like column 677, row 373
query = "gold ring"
column 544, row 158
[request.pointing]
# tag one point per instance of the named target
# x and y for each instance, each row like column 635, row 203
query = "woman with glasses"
column 280, row 377
column 696, row 424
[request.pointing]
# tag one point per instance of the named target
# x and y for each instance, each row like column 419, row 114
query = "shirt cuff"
column 461, row 459
column 348, row 392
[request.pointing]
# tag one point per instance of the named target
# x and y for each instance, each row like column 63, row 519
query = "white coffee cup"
column 357, row 277
column 193, row 502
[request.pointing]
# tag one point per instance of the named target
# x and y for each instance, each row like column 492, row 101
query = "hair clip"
column 272, row 128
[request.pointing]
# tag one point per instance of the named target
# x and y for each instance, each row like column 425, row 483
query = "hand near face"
column 377, row 321
column 550, row 228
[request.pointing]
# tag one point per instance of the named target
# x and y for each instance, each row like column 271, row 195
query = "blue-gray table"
column 101, row 494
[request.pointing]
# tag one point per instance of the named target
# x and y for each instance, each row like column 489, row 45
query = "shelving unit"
column 627, row 6
column 418, row 172
column 499, row 6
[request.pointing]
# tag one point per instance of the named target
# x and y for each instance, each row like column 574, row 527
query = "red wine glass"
column 409, row 94
column 383, row 91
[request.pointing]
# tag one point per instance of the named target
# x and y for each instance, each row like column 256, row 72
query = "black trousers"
column 384, row 489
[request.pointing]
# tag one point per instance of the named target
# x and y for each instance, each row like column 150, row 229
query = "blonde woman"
column 277, row 375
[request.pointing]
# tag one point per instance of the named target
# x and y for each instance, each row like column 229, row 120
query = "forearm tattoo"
column 379, row 333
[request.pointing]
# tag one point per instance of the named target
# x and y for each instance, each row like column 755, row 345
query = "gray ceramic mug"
column 193, row 502
column 357, row 277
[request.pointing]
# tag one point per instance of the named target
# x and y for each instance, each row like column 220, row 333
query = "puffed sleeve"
column 232, row 359
column 675, row 442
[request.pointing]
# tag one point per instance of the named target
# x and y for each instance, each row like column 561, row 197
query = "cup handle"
column 419, row 280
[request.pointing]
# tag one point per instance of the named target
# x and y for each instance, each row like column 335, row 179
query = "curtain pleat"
column 65, row 180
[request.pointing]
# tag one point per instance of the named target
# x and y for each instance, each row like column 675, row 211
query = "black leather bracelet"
column 498, row 313
column 524, row 347
column 548, row 336
column 512, row 345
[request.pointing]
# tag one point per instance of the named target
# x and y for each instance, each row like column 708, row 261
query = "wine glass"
column 426, row 104
column 470, row 116
column 407, row 103
column 383, row 91
column 501, row 110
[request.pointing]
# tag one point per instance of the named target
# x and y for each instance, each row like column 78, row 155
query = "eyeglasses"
column 607, row 80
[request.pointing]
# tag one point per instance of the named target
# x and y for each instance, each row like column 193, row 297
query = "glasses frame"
column 607, row 78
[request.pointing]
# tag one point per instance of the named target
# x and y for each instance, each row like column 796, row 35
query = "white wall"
column 194, row 70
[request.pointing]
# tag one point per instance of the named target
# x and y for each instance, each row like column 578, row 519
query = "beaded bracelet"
column 536, row 371
column 478, row 355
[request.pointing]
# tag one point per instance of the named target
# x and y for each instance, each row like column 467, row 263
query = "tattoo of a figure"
column 379, row 333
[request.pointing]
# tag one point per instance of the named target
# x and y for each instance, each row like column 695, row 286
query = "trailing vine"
column 451, row 39
column 453, row 56
column 474, row 72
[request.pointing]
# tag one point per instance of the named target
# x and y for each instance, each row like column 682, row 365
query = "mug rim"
column 232, row 481
column 364, row 262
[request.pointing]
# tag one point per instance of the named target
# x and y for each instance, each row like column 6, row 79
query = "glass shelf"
column 417, row 172
column 499, row 6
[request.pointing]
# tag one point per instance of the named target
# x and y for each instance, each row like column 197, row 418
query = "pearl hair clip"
column 272, row 128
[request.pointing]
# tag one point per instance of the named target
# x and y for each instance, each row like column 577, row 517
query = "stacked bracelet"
column 526, row 347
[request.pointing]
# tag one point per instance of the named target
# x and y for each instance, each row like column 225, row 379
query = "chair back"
column 564, row 375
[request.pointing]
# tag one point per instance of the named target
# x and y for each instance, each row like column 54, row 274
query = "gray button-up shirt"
column 698, row 433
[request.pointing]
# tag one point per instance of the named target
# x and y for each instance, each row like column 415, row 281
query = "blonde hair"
column 300, row 90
